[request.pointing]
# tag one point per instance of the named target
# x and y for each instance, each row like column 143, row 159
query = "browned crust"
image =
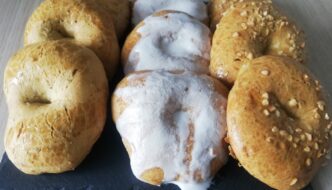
column 56, row 106
column 52, row 19
column 278, row 139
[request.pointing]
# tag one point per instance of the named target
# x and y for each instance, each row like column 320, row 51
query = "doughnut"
column 217, row 9
column 250, row 30
column 279, row 125
column 83, row 21
column 145, row 8
column 57, row 94
column 120, row 11
column 168, row 40
column 173, row 133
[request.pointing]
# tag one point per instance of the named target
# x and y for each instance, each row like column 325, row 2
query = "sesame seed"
column 292, row 102
column 298, row 130
column 290, row 138
column 250, row 56
column 309, row 136
column 293, row 182
column 321, row 105
column 278, row 113
column 265, row 72
column 283, row 133
column 269, row 139
column 308, row 162
column 306, row 77
column 327, row 117
column 275, row 129
column 244, row 13
column 306, row 149
column 236, row 34
column 266, row 112
column 244, row 26
column 265, row 95
column 296, row 139
column 265, row 102
column 302, row 136
column 265, row 13
column 317, row 116
column 316, row 146
column 294, row 145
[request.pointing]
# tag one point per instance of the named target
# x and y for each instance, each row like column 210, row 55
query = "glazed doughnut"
column 145, row 8
column 279, row 125
column 56, row 93
column 173, row 133
column 168, row 40
column 249, row 30
column 83, row 21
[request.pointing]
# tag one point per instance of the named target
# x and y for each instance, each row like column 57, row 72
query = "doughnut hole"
column 250, row 30
column 85, row 22
column 279, row 129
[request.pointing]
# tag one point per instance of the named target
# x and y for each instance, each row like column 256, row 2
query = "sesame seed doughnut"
column 173, row 133
column 56, row 93
column 217, row 9
column 168, row 40
column 145, row 8
column 83, row 21
column 279, row 126
column 250, row 30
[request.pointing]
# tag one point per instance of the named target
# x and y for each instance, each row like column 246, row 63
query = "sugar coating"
column 156, row 122
column 172, row 42
column 145, row 8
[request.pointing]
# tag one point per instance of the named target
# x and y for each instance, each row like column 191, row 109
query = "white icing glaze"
column 172, row 42
column 145, row 8
column 159, row 112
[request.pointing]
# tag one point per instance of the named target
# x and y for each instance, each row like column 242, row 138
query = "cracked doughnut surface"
column 279, row 124
column 56, row 93
column 173, row 126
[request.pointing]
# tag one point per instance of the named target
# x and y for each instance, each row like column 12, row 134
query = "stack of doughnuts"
column 278, row 120
column 203, row 80
column 170, row 114
column 56, row 86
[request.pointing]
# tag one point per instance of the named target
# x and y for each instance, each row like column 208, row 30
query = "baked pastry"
column 168, row 40
column 279, row 125
column 145, row 8
column 173, row 133
column 56, row 93
column 83, row 21
column 217, row 9
column 120, row 11
column 249, row 30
